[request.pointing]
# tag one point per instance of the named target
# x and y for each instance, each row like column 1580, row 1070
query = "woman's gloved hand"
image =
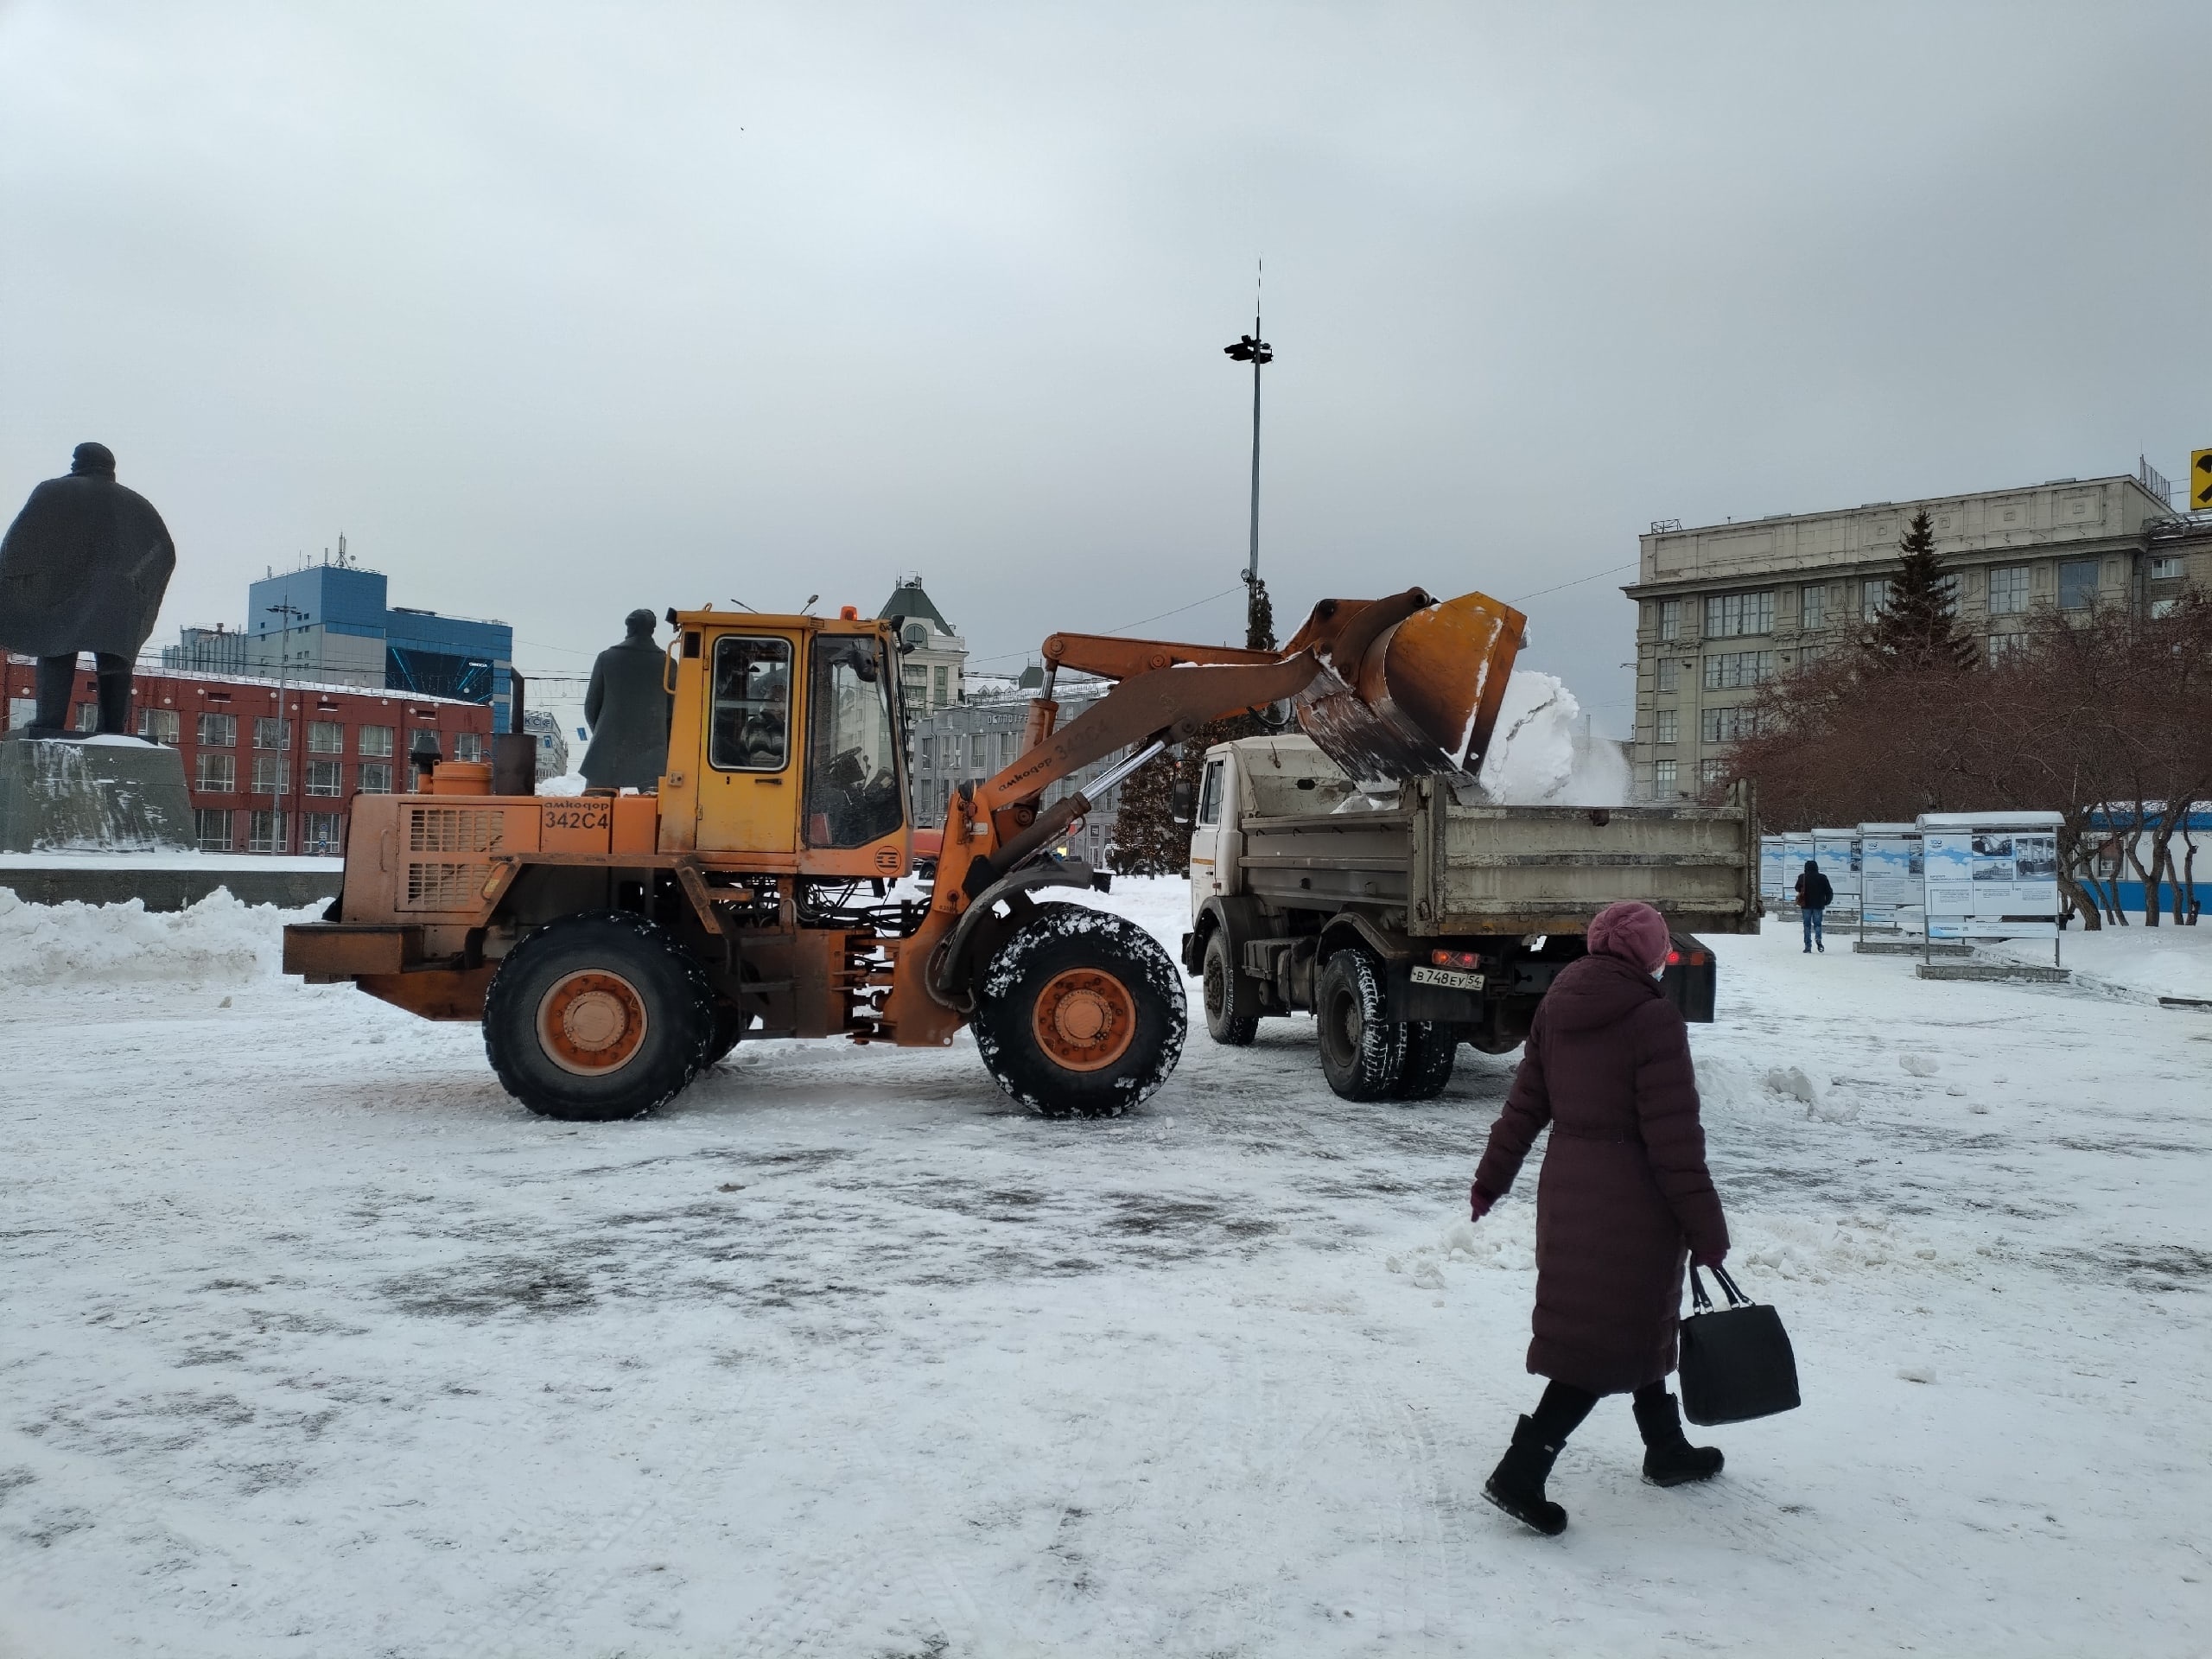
column 1479, row 1202
column 1708, row 1258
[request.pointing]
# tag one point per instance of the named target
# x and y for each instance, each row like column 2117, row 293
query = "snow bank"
column 1542, row 757
column 218, row 939
column 569, row 783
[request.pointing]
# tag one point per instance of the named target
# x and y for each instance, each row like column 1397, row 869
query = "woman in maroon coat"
column 1623, row 1197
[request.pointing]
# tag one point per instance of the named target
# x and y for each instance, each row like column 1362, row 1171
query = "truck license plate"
column 1459, row 979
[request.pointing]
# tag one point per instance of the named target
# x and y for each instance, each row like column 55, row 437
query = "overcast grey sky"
column 557, row 310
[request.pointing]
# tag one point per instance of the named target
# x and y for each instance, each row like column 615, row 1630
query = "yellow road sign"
column 2200, row 480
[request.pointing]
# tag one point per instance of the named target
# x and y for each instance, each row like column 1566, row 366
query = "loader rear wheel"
column 1232, row 1000
column 598, row 1016
column 1431, row 1046
column 1080, row 1013
column 1362, row 1052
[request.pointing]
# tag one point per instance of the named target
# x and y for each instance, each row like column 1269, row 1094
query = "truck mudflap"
column 1690, row 979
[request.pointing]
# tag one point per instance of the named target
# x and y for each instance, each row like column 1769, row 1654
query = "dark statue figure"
column 83, row 568
column 628, row 712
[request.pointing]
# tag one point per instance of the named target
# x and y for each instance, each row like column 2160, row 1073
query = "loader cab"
column 790, row 729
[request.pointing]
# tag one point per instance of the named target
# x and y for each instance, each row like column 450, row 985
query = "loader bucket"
column 1411, row 686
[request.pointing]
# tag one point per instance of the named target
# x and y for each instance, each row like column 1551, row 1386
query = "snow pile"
column 1542, row 755
column 1814, row 1250
column 569, row 783
column 219, row 938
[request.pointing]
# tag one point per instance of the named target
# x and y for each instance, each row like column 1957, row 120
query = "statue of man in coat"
column 628, row 712
column 83, row 568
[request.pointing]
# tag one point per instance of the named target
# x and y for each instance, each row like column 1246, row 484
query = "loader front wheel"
column 1363, row 1053
column 1080, row 1013
column 1232, row 1000
column 598, row 1016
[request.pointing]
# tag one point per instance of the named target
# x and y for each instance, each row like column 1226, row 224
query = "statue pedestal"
column 92, row 795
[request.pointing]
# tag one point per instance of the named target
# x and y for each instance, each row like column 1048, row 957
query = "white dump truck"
column 1410, row 924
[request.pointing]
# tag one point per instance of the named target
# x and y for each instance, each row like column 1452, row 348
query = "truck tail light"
column 1455, row 958
column 1697, row 958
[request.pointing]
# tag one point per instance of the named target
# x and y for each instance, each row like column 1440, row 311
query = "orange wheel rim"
column 1085, row 1019
column 592, row 1023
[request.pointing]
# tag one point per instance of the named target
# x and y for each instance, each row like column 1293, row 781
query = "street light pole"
column 1252, row 349
column 292, row 614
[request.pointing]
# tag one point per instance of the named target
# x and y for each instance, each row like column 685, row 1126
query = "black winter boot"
column 1668, row 1458
column 1516, row 1485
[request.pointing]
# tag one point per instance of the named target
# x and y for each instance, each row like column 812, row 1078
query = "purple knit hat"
column 1634, row 932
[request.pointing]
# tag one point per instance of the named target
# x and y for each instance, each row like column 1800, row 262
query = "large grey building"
column 970, row 742
column 1723, row 607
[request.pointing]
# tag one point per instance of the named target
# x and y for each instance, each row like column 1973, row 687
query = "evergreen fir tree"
column 1259, row 617
column 1918, row 627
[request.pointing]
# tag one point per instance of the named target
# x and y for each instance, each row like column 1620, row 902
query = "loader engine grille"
column 441, row 885
column 455, row 829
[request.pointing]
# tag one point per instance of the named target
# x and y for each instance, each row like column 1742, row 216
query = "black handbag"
column 1737, row 1362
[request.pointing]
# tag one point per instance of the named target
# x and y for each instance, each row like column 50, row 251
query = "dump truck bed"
column 1459, row 869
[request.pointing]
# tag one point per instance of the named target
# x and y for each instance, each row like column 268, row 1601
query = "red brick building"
column 264, row 783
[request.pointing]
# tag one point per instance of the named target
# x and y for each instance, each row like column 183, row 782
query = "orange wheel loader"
column 613, row 945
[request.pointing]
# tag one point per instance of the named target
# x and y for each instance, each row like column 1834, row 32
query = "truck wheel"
column 1362, row 1052
column 1432, row 1046
column 1080, row 1013
column 1232, row 1000
column 597, row 1016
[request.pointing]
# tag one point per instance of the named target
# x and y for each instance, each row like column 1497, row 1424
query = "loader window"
column 752, row 707
column 853, row 792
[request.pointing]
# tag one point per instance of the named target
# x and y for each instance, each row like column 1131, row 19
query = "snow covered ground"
column 313, row 1343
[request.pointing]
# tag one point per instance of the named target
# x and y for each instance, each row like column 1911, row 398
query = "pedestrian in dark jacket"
column 1816, row 892
column 1623, row 1198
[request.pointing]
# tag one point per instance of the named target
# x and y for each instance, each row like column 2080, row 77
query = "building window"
column 1668, row 674
column 376, row 777
column 326, row 737
column 1727, row 725
column 269, row 777
column 928, row 749
column 219, row 731
column 1730, row 670
column 2002, row 646
column 373, row 740
column 941, row 681
column 1873, row 595
column 1949, row 587
column 1727, row 615
column 2008, row 590
column 2077, row 585
column 320, row 835
column 215, row 774
column 161, row 726
column 271, row 733
column 266, row 833
column 2167, row 567
column 1813, row 608
column 88, row 716
column 1670, row 618
column 1663, row 777
column 468, row 746
column 1713, row 772
column 212, row 828
column 2164, row 607
column 975, row 750
column 325, row 778
column 1808, row 655
column 1664, row 725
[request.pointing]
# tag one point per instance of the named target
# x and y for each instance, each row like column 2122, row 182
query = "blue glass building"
column 334, row 622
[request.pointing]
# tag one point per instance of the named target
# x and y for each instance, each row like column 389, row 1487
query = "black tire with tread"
column 1432, row 1047
column 1054, row 939
column 1231, row 1001
column 730, row 1024
column 679, row 1009
column 1362, row 1052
